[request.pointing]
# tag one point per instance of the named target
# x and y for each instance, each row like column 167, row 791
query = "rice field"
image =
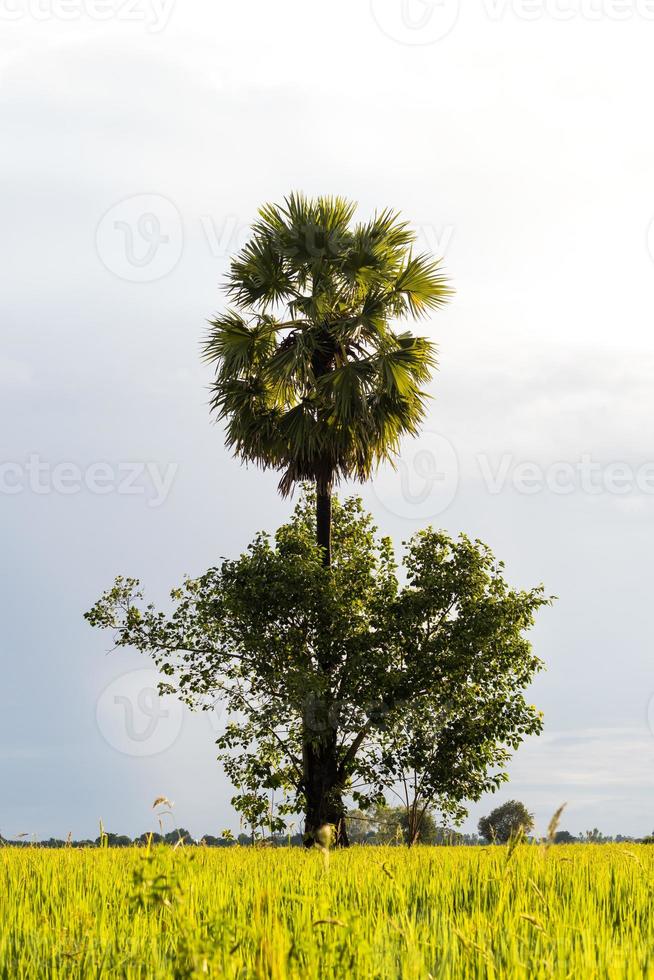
column 576, row 911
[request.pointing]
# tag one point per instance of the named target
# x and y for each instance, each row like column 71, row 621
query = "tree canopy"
column 505, row 822
column 426, row 676
column 311, row 376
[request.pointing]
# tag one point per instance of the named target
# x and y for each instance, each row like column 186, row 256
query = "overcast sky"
column 138, row 140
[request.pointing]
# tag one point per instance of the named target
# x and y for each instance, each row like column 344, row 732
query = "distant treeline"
column 183, row 837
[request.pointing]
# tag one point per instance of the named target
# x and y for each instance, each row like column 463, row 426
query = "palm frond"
column 343, row 391
column 310, row 377
column 423, row 285
column 236, row 346
column 258, row 275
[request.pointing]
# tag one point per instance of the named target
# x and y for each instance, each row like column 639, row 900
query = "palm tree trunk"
column 324, row 520
column 323, row 784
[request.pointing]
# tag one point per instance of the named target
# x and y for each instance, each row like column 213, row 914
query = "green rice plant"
column 524, row 911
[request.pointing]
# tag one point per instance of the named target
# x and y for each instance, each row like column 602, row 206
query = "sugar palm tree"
column 312, row 378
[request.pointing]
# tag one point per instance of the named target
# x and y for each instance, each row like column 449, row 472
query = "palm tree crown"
column 311, row 378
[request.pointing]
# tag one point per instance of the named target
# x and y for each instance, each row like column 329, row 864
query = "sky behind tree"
column 139, row 141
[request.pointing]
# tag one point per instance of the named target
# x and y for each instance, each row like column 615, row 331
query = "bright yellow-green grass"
column 580, row 911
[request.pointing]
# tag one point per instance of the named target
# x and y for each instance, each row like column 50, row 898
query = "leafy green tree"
column 311, row 377
column 593, row 836
column 394, row 825
column 178, row 835
column 209, row 840
column 564, row 837
column 506, row 821
column 442, row 755
column 113, row 840
column 361, row 827
column 149, row 837
column 338, row 663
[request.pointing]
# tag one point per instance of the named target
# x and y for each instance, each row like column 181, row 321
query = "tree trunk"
column 323, row 789
column 324, row 520
column 323, row 785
